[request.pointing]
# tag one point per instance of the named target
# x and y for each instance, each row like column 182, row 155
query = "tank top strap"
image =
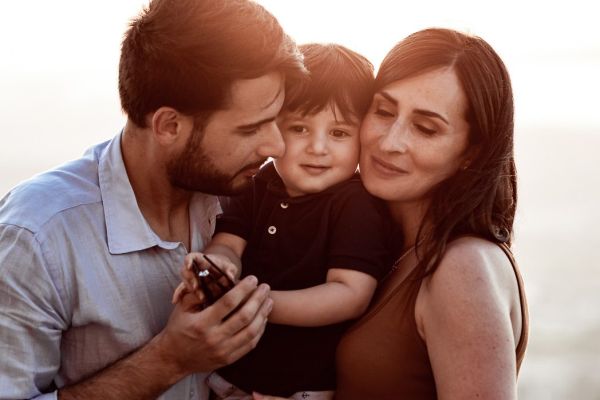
column 522, row 345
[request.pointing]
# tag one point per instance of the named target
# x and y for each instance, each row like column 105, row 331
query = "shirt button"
column 272, row 230
column 284, row 205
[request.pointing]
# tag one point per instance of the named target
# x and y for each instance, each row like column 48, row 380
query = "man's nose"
column 272, row 144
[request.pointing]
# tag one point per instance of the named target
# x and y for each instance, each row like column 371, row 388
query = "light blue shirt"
column 84, row 280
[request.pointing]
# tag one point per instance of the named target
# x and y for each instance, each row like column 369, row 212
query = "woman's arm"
column 465, row 312
column 345, row 295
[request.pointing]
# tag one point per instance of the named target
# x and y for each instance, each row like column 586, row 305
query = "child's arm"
column 344, row 296
column 229, row 246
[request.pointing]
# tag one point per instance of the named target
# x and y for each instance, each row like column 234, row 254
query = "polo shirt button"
column 272, row 230
column 284, row 205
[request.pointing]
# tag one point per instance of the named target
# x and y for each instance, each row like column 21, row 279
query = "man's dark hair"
column 186, row 53
column 337, row 76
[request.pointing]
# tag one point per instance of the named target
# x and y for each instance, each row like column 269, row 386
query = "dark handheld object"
column 213, row 281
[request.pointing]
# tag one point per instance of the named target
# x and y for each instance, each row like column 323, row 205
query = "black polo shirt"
column 291, row 244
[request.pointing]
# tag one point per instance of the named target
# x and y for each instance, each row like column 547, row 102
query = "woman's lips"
column 385, row 168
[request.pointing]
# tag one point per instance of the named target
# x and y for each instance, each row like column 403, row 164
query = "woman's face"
column 414, row 136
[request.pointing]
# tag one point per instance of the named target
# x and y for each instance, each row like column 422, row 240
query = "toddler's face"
column 320, row 151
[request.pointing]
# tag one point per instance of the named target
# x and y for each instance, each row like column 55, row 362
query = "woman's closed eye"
column 383, row 112
column 426, row 130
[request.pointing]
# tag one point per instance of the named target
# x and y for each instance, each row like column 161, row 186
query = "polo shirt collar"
column 276, row 187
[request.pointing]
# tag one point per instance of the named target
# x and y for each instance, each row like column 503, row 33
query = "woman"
column 450, row 320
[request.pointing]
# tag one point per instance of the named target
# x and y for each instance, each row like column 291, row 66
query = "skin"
column 222, row 156
column 236, row 138
column 320, row 151
column 468, row 310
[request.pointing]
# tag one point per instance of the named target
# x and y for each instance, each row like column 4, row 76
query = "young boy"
column 309, row 229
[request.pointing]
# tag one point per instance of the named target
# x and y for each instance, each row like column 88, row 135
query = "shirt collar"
column 126, row 228
column 276, row 187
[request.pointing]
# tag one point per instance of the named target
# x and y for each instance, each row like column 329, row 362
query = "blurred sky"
column 58, row 67
column 58, row 96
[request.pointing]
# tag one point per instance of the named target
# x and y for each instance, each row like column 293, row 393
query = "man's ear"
column 170, row 126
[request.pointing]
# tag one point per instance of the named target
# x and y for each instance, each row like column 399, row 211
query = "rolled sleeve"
column 31, row 320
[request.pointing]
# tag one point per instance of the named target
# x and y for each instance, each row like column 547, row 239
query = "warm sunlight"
column 58, row 79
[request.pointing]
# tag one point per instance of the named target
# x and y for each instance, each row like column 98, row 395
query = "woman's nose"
column 395, row 139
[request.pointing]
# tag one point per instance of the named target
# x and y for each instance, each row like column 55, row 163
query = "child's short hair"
column 338, row 76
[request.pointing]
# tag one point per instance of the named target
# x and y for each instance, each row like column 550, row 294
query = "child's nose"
column 318, row 144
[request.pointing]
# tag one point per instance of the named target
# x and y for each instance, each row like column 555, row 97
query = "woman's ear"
column 169, row 125
column 470, row 155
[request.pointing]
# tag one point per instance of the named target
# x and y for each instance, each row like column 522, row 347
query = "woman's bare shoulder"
column 475, row 257
column 473, row 269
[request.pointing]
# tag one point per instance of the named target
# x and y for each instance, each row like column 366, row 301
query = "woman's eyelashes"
column 425, row 127
column 426, row 130
column 384, row 112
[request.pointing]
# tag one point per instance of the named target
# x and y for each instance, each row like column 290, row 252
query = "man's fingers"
column 233, row 298
column 247, row 338
column 246, row 309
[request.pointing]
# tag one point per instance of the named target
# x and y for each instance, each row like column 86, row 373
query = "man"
column 90, row 251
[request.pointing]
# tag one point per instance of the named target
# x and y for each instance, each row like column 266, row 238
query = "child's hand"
column 181, row 291
column 211, row 288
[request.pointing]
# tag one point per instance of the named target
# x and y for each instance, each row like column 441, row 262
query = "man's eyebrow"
column 255, row 125
column 427, row 113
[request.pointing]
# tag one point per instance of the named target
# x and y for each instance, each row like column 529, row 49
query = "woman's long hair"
column 481, row 199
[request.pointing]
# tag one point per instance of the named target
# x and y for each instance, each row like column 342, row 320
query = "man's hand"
column 192, row 341
column 214, row 337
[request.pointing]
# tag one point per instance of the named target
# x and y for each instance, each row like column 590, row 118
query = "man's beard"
column 194, row 170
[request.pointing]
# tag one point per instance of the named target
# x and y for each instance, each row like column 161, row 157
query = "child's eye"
column 338, row 133
column 299, row 129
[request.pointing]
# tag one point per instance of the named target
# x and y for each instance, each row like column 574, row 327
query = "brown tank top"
column 383, row 357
